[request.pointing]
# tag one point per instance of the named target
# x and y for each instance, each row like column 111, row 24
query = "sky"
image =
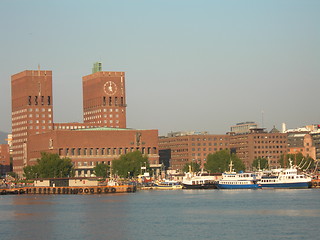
column 190, row 65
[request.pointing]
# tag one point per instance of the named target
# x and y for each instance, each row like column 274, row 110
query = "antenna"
column 262, row 120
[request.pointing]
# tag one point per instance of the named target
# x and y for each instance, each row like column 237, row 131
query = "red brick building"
column 31, row 93
column 259, row 144
column 104, row 100
column 188, row 147
column 87, row 147
column 4, row 159
column 101, row 138
column 248, row 145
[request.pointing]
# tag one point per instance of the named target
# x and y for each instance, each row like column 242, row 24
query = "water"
column 175, row 214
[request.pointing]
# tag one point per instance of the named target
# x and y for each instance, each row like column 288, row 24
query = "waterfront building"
column 186, row 147
column 301, row 142
column 88, row 146
column 259, row 143
column 316, row 142
column 4, row 159
column 243, row 127
column 101, row 137
column 104, row 101
column 32, row 111
column 305, row 140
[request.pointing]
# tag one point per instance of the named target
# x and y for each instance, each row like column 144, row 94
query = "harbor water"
column 176, row 214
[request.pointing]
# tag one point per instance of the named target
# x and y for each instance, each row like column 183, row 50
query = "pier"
column 70, row 190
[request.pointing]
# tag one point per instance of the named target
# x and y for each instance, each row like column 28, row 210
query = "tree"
column 219, row 162
column 191, row 166
column 50, row 166
column 130, row 164
column 101, row 169
column 297, row 159
column 12, row 174
column 261, row 163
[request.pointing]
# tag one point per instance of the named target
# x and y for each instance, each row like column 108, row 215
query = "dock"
column 70, row 190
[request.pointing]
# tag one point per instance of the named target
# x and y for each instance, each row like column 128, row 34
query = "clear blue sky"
column 190, row 65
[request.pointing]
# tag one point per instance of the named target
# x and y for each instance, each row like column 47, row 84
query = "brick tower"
column 31, row 95
column 104, row 99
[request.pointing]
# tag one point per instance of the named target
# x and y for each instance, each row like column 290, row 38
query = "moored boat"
column 202, row 181
column 233, row 180
column 285, row 178
column 167, row 185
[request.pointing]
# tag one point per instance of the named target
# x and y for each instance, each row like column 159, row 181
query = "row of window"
column 269, row 142
column 19, row 129
column 268, row 147
column 39, row 100
column 19, row 123
column 110, row 100
column 40, row 127
column 258, row 152
column 210, row 144
column 104, row 151
column 19, row 112
column 209, row 139
column 276, row 136
column 99, row 116
column 205, row 149
column 37, row 109
column 19, row 117
column 100, row 110
column 38, row 121
column 38, row 115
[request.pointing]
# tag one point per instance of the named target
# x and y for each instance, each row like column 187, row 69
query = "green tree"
column 130, row 164
column 191, row 166
column 13, row 174
column 261, row 163
column 101, row 170
column 298, row 160
column 50, row 166
column 219, row 162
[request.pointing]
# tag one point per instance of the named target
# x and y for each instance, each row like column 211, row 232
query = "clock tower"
column 104, row 99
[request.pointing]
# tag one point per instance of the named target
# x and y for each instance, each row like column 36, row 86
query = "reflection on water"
column 181, row 214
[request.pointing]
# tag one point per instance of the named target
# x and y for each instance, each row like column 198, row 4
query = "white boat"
column 167, row 185
column 202, row 181
column 233, row 180
column 285, row 178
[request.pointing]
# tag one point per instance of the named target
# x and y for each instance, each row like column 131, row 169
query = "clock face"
column 110, row 88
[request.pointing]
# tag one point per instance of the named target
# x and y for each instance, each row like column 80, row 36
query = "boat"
column 167, row 185
column 285, row 178
column 241, row 180
column 202, row 181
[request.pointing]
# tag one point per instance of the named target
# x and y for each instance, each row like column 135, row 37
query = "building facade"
column 104, row 100
column 101, row 137
column 259, row 144
column 243, row 127
column 305, row 140
column 301, row 142
column 4, row 159
column 90, row 146
column 191, row 147
column 32, row 111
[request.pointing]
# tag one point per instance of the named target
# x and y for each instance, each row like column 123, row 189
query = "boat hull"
column 167, row 187
column 238, row 186
column 199, row 186
column 286, row 185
